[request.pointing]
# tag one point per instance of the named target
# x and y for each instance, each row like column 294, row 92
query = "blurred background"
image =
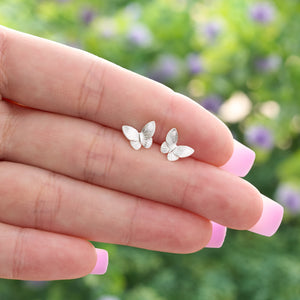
column 240, row 60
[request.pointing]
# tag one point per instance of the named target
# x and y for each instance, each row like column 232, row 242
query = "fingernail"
column 241, row 161
column 218, row 236
column 102, row 262
column 270, row 219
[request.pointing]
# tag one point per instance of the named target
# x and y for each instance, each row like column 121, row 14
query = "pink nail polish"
column 270, row 219
column 218, row 236
column 241, row 160
column 102, row 262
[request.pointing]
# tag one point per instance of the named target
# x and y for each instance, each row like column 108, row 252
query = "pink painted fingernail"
column 102, row 262
column 270, row 219
column 241, row 160
column 217, row 236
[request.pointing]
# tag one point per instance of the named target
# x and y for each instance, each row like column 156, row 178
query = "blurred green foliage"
column 208, row 50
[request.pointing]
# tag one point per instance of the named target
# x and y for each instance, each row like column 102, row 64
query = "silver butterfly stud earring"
column 170, row 146
column 138, row 139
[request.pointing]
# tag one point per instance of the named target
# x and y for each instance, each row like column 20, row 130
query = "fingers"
column 102, row 156
column 47, row 201
column 30, row 254
column 52, row 77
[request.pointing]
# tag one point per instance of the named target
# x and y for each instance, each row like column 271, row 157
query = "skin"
column 68, row 175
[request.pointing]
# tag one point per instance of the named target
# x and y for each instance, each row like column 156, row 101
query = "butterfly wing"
column 175, row 152
column 148, row 130
column 136, row 145
column 172, row 137
column 133, row 136
column 172, row 156
column 170, row 144
column 130, row 133
column 147, row 134
column 164, row 148
column 183, row 151
column 146, row 142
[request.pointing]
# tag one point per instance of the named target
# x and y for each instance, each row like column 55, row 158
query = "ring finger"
column 51, row 202
column 102, row 156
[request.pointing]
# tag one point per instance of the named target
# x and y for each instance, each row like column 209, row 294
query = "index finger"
column 56, row 78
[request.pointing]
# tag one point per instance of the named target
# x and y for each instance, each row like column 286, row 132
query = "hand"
column 68, row 175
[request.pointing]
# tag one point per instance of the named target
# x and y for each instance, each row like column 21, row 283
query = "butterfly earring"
column 138, row 139
column 170, row 146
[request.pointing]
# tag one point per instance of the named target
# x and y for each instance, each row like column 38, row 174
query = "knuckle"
column 89, row 172
column 3, row 52
column 18, row 254
column 129, row 234
column 9, row 118
column 47, row 203
column 10, row 191
column 100, row 158
column 110, row 160
column 91, row 92
column 187, row 188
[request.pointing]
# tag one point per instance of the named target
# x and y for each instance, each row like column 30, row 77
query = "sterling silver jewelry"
column 138, row 139
column 170, row 146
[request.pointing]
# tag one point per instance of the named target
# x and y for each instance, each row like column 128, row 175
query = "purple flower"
column 140, row 35
column 259, row 136
column 133, row 10
column 87, row 15
column 289, row 197
column 212, row 103
column 211, row 30
column 166, row 68
column 263, row 12
column 194, row 63
column 268, row 64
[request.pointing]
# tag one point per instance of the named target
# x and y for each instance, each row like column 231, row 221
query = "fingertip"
column 101, row 262
column 241, row 160
column 217, row 237
column 200, row 129
column 270, row 219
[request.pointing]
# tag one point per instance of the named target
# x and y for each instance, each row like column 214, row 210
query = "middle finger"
column 102, row 156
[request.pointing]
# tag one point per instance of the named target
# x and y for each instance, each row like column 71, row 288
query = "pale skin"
column 68, row 175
